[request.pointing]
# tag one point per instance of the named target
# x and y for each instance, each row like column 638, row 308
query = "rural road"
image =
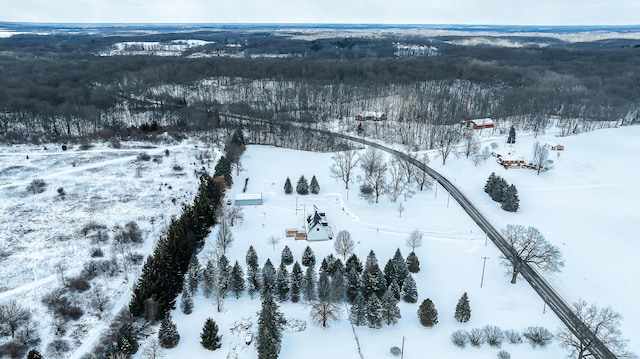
column 559, row 306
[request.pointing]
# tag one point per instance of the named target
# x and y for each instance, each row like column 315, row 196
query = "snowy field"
column 586, row 205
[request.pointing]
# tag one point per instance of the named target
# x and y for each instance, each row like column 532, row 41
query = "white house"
column 317, row 227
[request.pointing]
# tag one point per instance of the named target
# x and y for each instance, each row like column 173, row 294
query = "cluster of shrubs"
column 302, row 187
column 500, row 191
column 494, row 336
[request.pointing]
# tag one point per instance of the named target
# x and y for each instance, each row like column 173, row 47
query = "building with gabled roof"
column 317, row 226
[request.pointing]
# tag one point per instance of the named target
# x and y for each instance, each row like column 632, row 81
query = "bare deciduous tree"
column 224, row 238
column 540, row 157
column 375, row 169
column 344, row 163
column 398, row 182
column 343, row 244
column 234, row 215
column 528, row 246
column 604, row 324
column 273, row 240
column 414, row 240
column 447, row 138
column 422, row 178
column 324, row 312
column 12, row 317
column 470, row 142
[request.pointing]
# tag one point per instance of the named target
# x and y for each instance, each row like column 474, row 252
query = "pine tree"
column 427, row 313
column 288, row 188
column 269, row 329
column 254, row 285
column 358, row 311
column 491, row 182
column 400, row 267
column 354, row 284
column 309, row 289
column 209, row 337
column 369, row 284
column 34, row 354
column 282, row 283
column 499, row 189
column 512, row 135
column 268, row 277
column 324, row 287
column 224, row 275
column 337, row 286
column 374, row 312
column 127, row 343
column 371, row 263
column 208, row 278
column 463, row 309
column 409, row 290
column 314, row 187
column 194, row 272
column 168, row 335
column 237, row 280
column 302, row 188
column 413, row 263
column 308, row 257
column 252, row 259
column 394, row 288
column 296, row 282
column 389, row 308
column 510, row 200
column 354, row 262
column 382, row 284
column 186, row 302
column 286, row 256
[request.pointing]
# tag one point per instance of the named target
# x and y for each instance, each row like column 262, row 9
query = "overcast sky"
column 493, row 12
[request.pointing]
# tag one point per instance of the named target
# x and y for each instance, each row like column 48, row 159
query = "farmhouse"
column 479, row 124
column 317, row 226
column 555, row 147
column 511, row 161
column 371, row 116
column 248, row 199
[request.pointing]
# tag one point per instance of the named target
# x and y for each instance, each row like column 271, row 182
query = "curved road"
column 559, row 306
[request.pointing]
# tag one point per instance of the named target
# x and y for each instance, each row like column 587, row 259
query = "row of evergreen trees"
column 302, row 187
column 500, row 191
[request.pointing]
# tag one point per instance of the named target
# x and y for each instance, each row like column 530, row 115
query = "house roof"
column 482, row 121
column 248, row 196
column 317, row 218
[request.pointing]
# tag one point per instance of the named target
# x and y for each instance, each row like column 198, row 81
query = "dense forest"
column 69, row 86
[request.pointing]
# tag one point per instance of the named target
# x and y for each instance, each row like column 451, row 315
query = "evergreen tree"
column 288, row 188
column 358, row 311
column 382, row 284
column 269, row 329
column 354, row 262
column 302, row 188
column 390, row 273
column 409, row 290
column 389, row 308
column 194, row 272
column 223, row 168
column 427, row 313
column 329, row 264
column 282, row 283
column 268, row 277
column 374, row 312
column 499, row 189
column 413, row 263
column 463, row 309
column 224, row 275
column 168, row 335
column 314, row 187
column 308, row 258
column 369, row 284
column 371, row 263
column 208, row 278
column 510, row 200
column 186, row 302
column 324, row 287
column 296, row 282
column 252, row 259
column 127, row 343
column 394, row 288
column 309, row 290
column 491, row 182
column 286, row 256
column 337, row 286
column 512, row 135
column 237, row 280
column 254, row 285
column 34, row 354
column 209, row 337
column 354, row 284
column 400, row 267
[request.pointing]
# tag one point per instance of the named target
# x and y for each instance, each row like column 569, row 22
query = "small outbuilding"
column 555, row 147
column 479, row 124
column 248, row 199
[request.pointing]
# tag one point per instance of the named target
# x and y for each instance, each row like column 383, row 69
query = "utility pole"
column 484, row 263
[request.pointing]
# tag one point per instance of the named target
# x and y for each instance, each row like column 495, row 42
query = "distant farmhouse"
column 479, row 124
column 317, row 226
column 371, row 116
column 248, row 199
column 555, row 147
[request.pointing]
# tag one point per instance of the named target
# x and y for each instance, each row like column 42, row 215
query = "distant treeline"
column 58, row 85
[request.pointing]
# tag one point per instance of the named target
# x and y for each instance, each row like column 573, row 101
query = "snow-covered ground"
column 586, row 205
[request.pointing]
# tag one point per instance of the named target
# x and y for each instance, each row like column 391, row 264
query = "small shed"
column 555, row 147
column 248, row 199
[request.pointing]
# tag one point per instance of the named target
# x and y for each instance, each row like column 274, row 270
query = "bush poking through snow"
column 493, row 335
column 460, row 338
column 476, row 337
column 395, row 351
column 513, row 336
column 538, row 336
column 504, row 355
column 36, row 186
